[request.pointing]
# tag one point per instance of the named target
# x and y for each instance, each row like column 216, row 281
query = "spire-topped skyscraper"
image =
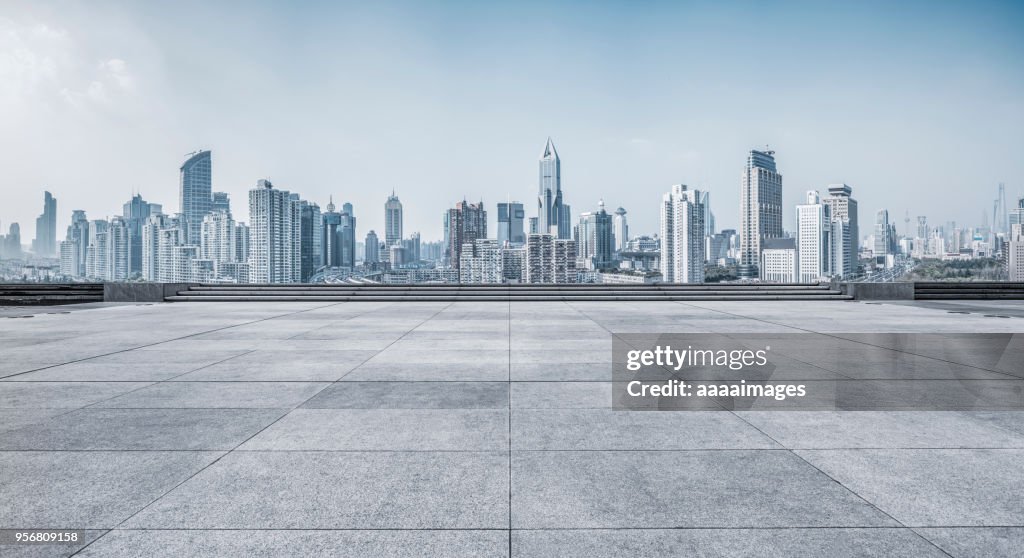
column 552, row 216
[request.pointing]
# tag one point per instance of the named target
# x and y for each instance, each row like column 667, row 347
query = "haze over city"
column 916, row 106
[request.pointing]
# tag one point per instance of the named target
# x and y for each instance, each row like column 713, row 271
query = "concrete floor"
column 470, row 429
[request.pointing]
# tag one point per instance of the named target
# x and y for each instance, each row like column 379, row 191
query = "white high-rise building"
column 760, row 208
column 682, row 236
column 814, row 239
column 1015, row 253
column 218, row 237
column 96, row 255
column 620, row 228
column 118, row 250
column 275, row 230
column 846, row 237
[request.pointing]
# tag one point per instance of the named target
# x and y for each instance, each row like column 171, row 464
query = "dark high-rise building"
column 464, row 224
column 510, row 223
column 195, row 193
column 221, row 202
column 135, row 213
column 310, row 223
column 372, row 247
column 45, row 243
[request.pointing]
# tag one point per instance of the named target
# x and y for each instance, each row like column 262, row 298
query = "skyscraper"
column 135, row 213
column 372, row 248
column 814, row 239
column 552, row 217
column 760, row 208
column 1016, row 216
column 846, row 236
column 195, row 193
column 466, row 222
column 620, row 229
column 118, row 250
column 682, row 236
column 392, row 220
column 510, row 223
column 221, row 202
column 45, row 243
column 884, row 241
column 274, row 236
column 310, row 237
column 330, row 244
column 595, row 239
column 347, row 235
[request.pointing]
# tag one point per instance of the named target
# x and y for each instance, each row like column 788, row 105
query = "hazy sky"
column 918, row 106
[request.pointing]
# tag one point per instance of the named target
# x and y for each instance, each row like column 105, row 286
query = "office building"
column 779, row 261
column 274, row 235
column 553, row 217
column 843, row 210
column 135, row 212
column 620, row 229
column 118, row 249
column 392, row 220
column 310, row 237
column 814, row 239
column 221, row 202
column 1015, row 253
column 682, row 236
column 372, row 249
column 45, row 243
column 595, row 239
column 760, row 208
column 195, row 193
column 511, row 216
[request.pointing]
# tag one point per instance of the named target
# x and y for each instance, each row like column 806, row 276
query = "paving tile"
column 977, row 542
column 933, row 488
column 663, row 489
column 881, row 429
column 387, row 429
column 298, row 543
column 412, row 395
column 141, row 429
column 88, row 490
column 339, row 490
column 12, row 419
column 251, row 395
column 428, row 372
column 561, row 395
column 810, row 543
column 49, row 550
column 60, row 395
column 607, row 429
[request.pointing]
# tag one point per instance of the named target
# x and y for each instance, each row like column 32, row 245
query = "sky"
column 918, row 106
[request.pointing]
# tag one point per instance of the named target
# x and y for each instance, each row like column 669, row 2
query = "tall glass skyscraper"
column 45, row 243
column 196, row 194
column 552, row 218
column 510, row 223
column 760, row 208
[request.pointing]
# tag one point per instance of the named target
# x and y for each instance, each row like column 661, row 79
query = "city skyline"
column 918, row 112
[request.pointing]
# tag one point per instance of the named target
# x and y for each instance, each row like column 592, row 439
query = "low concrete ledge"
column 141, row 292
column 900, row 290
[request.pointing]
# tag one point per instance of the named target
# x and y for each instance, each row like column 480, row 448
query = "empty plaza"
column 479, row 429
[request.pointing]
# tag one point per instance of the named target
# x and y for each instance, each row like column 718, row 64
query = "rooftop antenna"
column 906, row 223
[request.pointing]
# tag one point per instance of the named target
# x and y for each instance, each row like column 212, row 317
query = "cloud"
column 40, row 63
